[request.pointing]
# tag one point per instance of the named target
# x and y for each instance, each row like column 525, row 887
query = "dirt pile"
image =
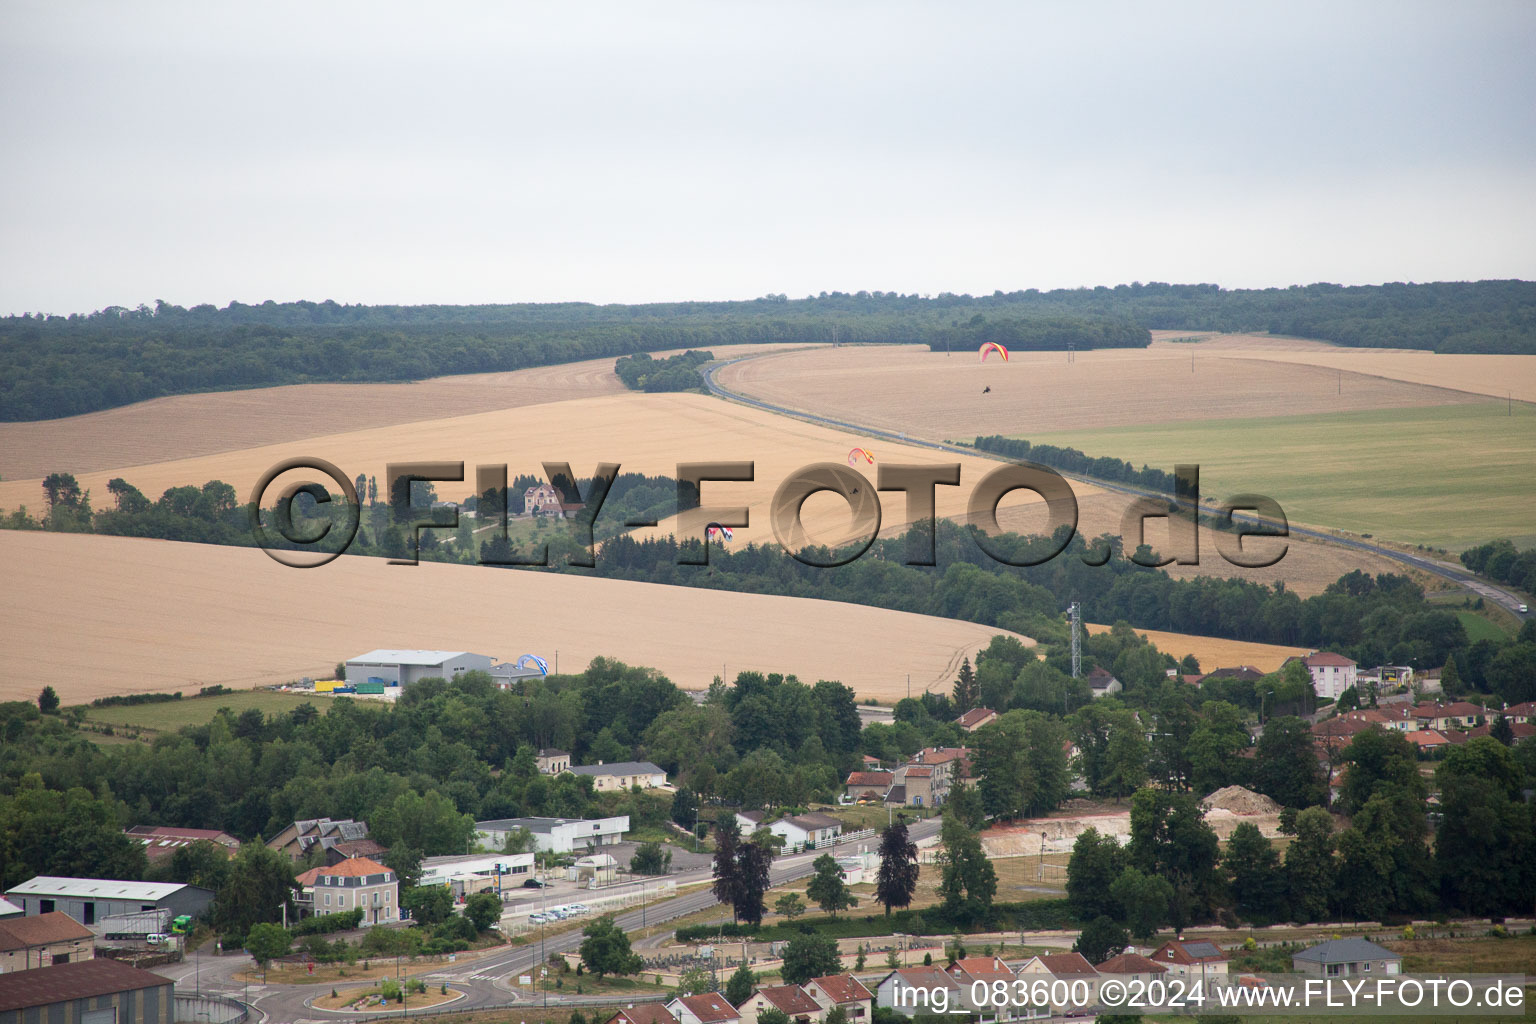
column 1240, row 801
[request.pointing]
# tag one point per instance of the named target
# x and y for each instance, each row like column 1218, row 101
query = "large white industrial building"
column 402, row 668
column 557, row 835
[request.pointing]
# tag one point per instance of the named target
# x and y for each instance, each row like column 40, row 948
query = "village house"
column 1132, row 967
column 976, row 718
column 704, row 1008
column 989, row 971
column 43, row 940
column 643, row 1013
column 1068, row 967
column 340, row 839
column 1103, row 683
column 1344, row 957
column 793, row 1001
column 807, row 831
column 620, row 775
column 867, row 784
column 356, row 883
column 1191, row 959
column 545, row 500
column 1331, row 673
column 918, row 990
column 846, row 991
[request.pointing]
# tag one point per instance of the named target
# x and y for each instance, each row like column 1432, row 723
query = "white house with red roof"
column 356, row 883
column 976, row 718
column 1331, row 673
column 843, row 990
column 704, row 1008
column 791, row 1000
column 1195, row 959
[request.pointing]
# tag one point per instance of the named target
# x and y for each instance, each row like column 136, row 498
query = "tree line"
column 53, row 365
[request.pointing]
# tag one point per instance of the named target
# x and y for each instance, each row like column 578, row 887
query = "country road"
column 1446, row 570
column 487, row 982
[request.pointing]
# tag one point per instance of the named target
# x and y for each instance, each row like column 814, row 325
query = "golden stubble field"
column 92, row 615
column 187, row 426
column 1213, row 652
column 939, row 397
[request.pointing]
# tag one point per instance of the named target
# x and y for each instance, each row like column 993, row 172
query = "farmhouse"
column 557, row 835
column 1339, row 957
column 355, row 884
column 89, row 900
column 807, row 831
column 622, row 775
column 27, row 943
column 393, row 667
column 160, row 841
column 87, row 992
column 545, row 500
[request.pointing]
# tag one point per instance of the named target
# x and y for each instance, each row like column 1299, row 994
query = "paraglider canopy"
column 991, row 347
column 534, row 661
column 718, row 532
column 856, row 455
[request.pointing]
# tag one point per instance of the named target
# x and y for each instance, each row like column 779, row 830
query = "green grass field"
column 1444, row 476
column 173, row 714
column 1479, row 627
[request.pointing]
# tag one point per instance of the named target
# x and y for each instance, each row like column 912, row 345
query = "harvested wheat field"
column 186, row 426
column 939, row 397
column 643, row 433
column 93, row 616
column 1214, row 652
column 1498, row 376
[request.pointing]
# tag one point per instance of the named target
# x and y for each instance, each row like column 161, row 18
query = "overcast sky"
column 634, row 152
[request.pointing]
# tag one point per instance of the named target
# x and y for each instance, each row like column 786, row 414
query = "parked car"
column 534, row 883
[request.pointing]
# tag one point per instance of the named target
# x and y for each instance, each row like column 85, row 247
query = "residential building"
column 976, row 718
column 1340, row 957
column 394, row 667
column 545, row 500
column 643, row 1013
column 846, row 991
column 1131, row 967
column 160, row 841
column 43, row 941
column 1428, row 740
column 553, row 762
column 1331, row 673
column 1191, row 959
column 622, row 775
column 989, row 971
column 913, row 990
column 912, row 786
column 1523, row 712
column 90, row 900
column 556, row 835
column 807, row 831
column 1102, row 683
column 1067, row 967
column 791, row 1000
column 704, row 1008
column 868, row 784
column 749, row 821
column 339, row 838
column 95, row 991
column 927, row 779
column 356, row 883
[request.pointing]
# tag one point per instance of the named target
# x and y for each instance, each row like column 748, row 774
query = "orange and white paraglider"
column 857, row 455
column 991, row 347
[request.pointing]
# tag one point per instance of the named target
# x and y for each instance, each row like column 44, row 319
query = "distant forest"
column 52, row 366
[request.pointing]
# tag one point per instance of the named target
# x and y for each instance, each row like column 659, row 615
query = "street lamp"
column 1266, row 693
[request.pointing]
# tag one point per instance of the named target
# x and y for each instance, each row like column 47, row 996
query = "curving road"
column 1446, row 570
column 487, row 982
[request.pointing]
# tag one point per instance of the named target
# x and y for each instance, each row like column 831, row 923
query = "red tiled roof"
column 919, row 771
column 974, row 716
column 352, row 867
column 792, row 999
column 1131, row 963
column 1521, row 710
column 1067, row 963
column 1322, row 658
column 1426, row 738
column 980, row 968
column 869, row 779
column 843, row 988
column 710, row 1007
column 644, row 1013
